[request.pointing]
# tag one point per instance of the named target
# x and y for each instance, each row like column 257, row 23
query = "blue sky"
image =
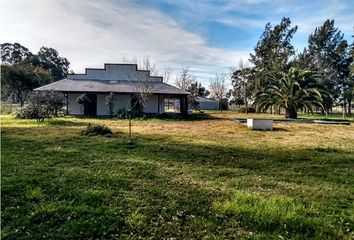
column 238, row 24
column 209, row 36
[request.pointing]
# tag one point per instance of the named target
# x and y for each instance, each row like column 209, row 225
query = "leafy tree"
column 233, row 97
column 54, row 101
column 196, row 90
column 292, row 90
column 49, row 59
column 20, row 79
column 14, row 53
column 192, row 97
column 328, row 54
column 345, row 80
column 351, row 86
column 352, row 55
column 273, row 51
column 202, row 91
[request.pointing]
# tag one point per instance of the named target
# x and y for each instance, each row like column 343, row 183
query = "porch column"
column 184, row 106
column 67, row 103
column 158, row 104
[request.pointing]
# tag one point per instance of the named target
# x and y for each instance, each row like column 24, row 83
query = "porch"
column 156, row 104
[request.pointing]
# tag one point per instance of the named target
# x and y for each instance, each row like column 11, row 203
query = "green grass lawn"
column 210, row 178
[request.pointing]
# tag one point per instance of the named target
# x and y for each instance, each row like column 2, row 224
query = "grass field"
column 208, row 178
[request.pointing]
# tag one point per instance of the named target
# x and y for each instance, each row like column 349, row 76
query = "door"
column 90, row 108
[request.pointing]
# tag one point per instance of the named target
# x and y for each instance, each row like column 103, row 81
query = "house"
column 125, row 81
column 208, row 104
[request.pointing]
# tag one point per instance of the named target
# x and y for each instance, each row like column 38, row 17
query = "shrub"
column 34, row 111
column 123, row 113
column 93, row 130
column 42, row 105
column 243, row 109
column 110, row 103
column 82, row 100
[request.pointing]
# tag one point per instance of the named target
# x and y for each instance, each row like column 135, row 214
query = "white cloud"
column 90, row 33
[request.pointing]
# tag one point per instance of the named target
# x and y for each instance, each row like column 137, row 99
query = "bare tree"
column 144, row 64
column 142, row 85
column 185, row 78
column 147, row 64
column 218, row 86
column 242, row 82
column 142, row 91
column 132, row 60
column 167, row 73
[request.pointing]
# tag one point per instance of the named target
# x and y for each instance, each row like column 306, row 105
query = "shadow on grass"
column 63, row 122
column 278, row 129
column 97, row 187
column 159, row 146
column 194, row 117
column 163, row 117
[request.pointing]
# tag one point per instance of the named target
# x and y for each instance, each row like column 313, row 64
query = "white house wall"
column 151, row 105
column 120, row 101
column 73, row 107
column 102, row 108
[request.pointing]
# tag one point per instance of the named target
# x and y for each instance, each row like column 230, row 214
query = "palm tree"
column 295, row 89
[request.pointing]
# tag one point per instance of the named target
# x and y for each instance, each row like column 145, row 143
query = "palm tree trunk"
column 290, row 113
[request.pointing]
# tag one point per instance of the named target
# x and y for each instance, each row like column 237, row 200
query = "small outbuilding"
column 208, row 103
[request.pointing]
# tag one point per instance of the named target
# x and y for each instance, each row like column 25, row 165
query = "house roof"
column 121, row 86
column 201, row 99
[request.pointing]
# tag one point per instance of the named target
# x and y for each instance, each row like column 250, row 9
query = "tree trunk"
column 21, row 99
column 344, row 108
column 290, row 113
column 245, row 99
column 349, row 107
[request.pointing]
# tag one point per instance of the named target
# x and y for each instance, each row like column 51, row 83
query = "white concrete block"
column 260, row 124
